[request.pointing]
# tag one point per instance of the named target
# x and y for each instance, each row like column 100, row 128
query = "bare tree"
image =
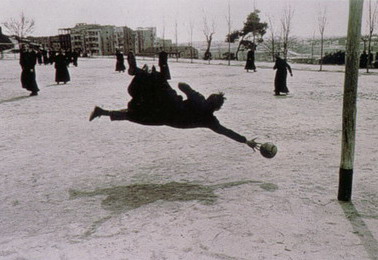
column 21, row 27
column 208, row 31
column 191, row 27
column 163, row 33
column 312, row 46
column 272, row 41
column 322, row 22
column 176, row 40
column 371, row 23
column 286, row 21
column 228, row 18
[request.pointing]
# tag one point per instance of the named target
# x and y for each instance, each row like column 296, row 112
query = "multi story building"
column 145, row 38
column 107, row 40
column 124, row 39
column 129, row 40
column 93, row 39
column 43, row 41
column 57, row 42
column 119, row 42
column 163, row 44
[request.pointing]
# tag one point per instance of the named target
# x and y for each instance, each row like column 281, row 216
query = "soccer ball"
column 268, row 150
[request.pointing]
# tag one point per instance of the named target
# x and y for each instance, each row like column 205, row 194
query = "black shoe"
column 33, row 94
column 97, row 112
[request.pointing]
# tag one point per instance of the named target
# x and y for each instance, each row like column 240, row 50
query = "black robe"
column 120, row 65
column 280, row 80
column 163, row 64
column 27, row 62
column 250, row 64
column 155, row 102
column 61, row 71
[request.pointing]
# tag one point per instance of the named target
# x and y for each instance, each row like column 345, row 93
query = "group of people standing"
column 62, row 60
column 29, row 57
column 282, row 67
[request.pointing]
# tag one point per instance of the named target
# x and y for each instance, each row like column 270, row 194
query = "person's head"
column 216, row 101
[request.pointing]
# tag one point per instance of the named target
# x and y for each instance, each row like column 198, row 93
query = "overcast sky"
column 50, row 15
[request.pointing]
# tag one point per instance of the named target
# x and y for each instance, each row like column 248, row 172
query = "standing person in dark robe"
column 75, row 56
column 45, row 58
column 68, row 55
column 250, row 64
column 280, row 85
column 61, row 71
column 370, row 60
column 132, row 63
column 52, row 55
column 28, row 59
column 163, row 64
column 363, row 60
column 120, row 64
column 39, row 56
column 376, row 60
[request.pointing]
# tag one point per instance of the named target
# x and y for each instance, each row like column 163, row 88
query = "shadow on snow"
column 136, row 195
column 14, row 99
column 361, row 229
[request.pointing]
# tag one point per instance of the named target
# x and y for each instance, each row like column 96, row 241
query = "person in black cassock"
column 120, row 65
column 250, row 64
column 28, row 59
column 52, row 54
column 363, row 60
column 155, row 102
column 39, row 56
column 280, row 85
column 61, row 71
column 45, row 58
column 163, row 65
column 75, row 56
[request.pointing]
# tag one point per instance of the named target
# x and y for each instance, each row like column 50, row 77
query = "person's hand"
column 254, row 145
column 291, row 74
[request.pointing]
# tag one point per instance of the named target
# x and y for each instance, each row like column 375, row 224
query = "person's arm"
column 289, row 68
column 219, row 129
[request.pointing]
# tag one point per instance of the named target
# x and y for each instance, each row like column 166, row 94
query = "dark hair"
column 216, row 101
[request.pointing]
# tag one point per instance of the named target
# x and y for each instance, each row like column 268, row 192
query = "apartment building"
column 97, row 40
column 145, row 38
column 124, row 39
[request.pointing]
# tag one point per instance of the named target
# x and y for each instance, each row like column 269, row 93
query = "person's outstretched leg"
column 97, row 112
column 114, row 115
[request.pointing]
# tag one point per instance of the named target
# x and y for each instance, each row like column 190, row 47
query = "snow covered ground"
column 74, row 189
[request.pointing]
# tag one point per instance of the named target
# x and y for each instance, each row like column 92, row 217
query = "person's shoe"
column 97, row 112
column 33, row 94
